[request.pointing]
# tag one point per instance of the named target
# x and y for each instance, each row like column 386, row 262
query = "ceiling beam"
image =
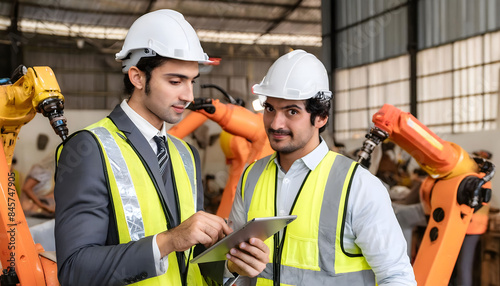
column 281, row 19
column 305, row 22
column 289, row 9
column 262, row 3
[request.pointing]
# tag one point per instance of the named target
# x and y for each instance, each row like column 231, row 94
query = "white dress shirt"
column 149, row 132
column 370, row 220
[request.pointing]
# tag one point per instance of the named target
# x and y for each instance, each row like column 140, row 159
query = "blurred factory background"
column 438, row 59
column 435, row 59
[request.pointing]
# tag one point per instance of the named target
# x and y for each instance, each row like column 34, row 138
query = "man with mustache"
column 128, row 196
column 345, row 232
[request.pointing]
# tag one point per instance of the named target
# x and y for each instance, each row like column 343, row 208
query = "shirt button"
column 286, row 181
column 282, row 212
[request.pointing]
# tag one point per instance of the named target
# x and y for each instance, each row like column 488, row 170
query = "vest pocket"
column 301, row 252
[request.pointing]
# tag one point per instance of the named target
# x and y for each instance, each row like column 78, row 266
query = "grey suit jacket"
column 87, row 246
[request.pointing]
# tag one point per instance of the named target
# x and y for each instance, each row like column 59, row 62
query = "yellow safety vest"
column 136, row 203
column 312, row 251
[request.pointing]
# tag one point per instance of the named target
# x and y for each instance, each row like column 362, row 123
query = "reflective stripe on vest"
column 131, row 207
column 184, row 171
column 189, row 165
column 133, row 221
column 312, row 250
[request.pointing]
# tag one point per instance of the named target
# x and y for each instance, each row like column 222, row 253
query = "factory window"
column 457, row 88
column 458, row 85
column 362, row 91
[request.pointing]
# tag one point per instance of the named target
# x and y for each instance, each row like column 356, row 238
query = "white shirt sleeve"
column 372, row 226
column 237, row 218
column 161, row 264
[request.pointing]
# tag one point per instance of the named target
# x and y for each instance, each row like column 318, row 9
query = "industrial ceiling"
column 103, row 24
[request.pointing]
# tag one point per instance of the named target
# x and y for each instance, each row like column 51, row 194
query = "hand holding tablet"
column 261, row 228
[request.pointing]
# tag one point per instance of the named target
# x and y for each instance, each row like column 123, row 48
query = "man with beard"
column 128, row 196
column 345, row 232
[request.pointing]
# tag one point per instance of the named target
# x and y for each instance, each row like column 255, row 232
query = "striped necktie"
column 162, row 160
column 161, row 154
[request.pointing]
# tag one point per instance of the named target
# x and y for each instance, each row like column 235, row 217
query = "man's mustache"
column 279, row 131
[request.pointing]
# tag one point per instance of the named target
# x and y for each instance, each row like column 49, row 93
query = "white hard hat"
column 297, row 75
column 163, row 32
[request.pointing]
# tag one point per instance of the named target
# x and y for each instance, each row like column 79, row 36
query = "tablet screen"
column 261, row 228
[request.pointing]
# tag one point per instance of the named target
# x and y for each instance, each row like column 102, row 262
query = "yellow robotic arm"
column 35, row 90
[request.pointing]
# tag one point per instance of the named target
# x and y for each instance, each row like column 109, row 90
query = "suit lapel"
column 123, row 122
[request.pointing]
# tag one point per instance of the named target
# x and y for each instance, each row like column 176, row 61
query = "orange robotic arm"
column 437, row 157
column 188, row 124
column 244, row 126
column 241, row 122
column 456, row 187
column 234, row 119
column 237, row 151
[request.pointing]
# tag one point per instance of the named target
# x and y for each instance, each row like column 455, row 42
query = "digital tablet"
column 262, row 228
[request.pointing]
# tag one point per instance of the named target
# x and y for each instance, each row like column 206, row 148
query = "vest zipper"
column 278, row 245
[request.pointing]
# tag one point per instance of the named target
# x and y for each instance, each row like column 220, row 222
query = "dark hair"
column 146, row 65
column 318, row 106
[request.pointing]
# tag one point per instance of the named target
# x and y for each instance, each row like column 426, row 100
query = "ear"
column 320, row 121
column 136, row 77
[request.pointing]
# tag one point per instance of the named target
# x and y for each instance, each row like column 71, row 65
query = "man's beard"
column 284, row 149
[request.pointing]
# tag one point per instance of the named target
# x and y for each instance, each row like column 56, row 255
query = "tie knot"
column 160, row 143
column 162, row 153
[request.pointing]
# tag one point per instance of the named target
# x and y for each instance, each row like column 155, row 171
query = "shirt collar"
column 310, row 160
column 313, row 159
column 146, row 128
